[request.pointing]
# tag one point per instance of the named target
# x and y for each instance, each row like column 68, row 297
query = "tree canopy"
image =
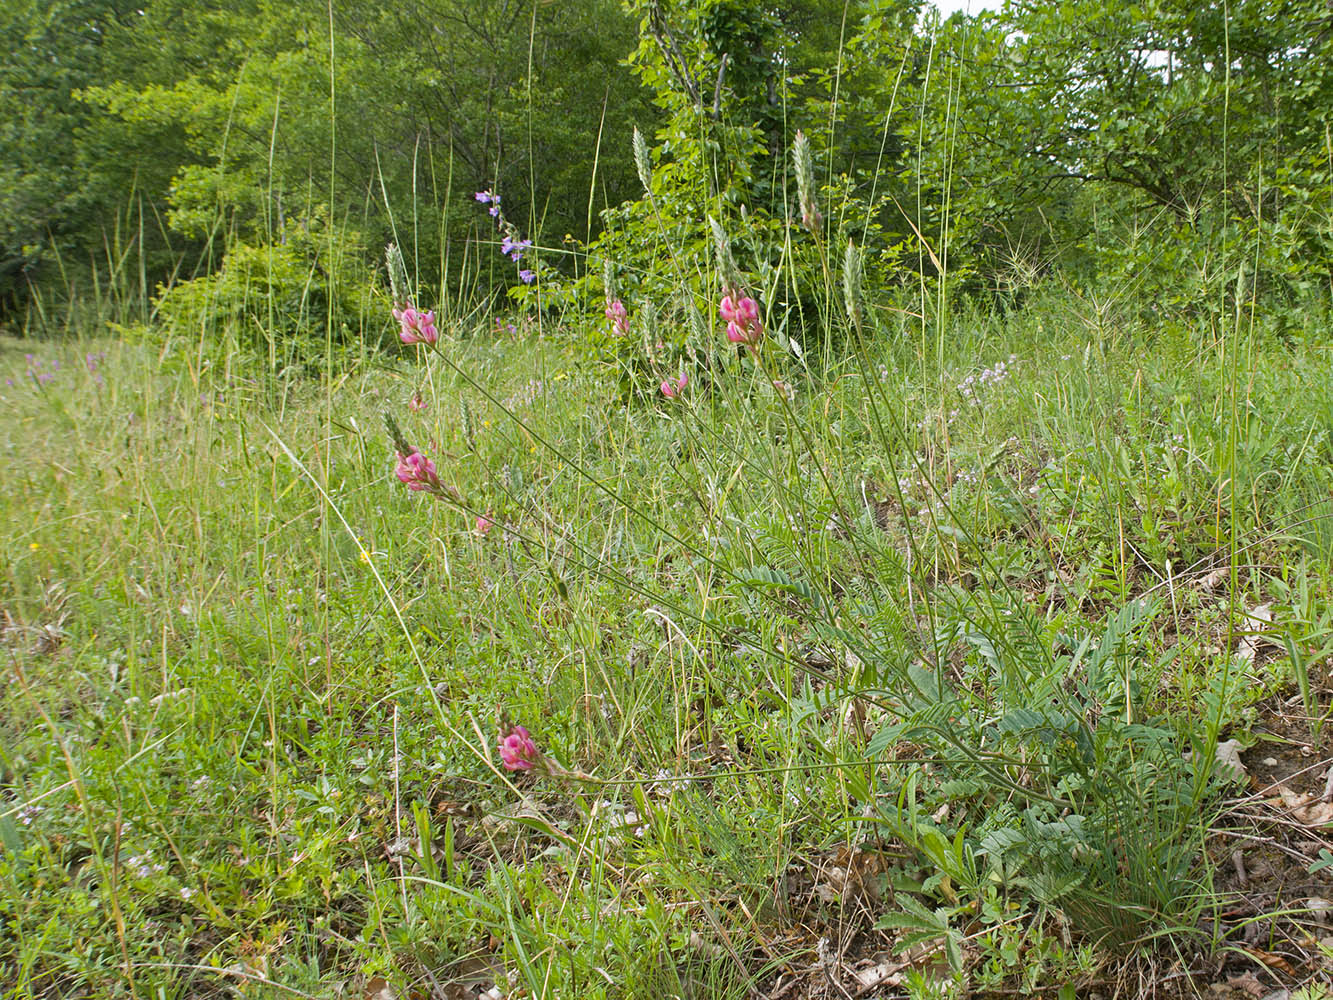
column 1052, row 132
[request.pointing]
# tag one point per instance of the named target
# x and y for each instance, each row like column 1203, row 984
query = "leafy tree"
column 735, row 80
column 1204, row 122
column 423, row 103
column 66, row 175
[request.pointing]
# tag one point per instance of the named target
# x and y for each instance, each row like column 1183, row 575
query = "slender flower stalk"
column 642, row 162
column 853, row 277
column 698, row 325
column 510, row 244
column 726, row 263
column 398, row 286
column 811, row 218
column 648, row 327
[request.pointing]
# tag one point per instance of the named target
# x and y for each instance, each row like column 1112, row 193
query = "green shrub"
column 287, row 302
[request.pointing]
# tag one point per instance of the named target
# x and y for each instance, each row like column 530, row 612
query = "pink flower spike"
column 743, row 325
column 416, row 404
column 672, row 388
column 517, row 750
column 727, row 310
column 416, row 327
column 417, row 472
column 483, row 525
column 408, row 319
column 615, row 312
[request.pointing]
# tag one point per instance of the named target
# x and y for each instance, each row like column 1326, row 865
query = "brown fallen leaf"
column 1309, row 808
column 1248, row 984
column 1320, row 908
column 1270, row 959
column 885, row 972
column 1228, row 758
column 1256, row 624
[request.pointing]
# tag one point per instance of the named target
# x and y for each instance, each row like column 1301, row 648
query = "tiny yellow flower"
column 365, row 556
column 33, row 546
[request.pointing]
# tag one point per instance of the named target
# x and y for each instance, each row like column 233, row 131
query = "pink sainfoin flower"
column 742, row 316
column 483, row 525
column 416, row 326
column 671, row 388
column 416, row 404
column 417, row 471
column 517, row 750
column 615, row 312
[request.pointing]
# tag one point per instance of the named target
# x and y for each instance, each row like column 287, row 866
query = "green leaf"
column 9, row 836
column 767, row 578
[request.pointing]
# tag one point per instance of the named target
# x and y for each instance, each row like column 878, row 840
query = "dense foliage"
column 1050, row 136
column 199, row 126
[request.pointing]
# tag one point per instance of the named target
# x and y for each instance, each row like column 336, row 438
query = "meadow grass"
column 934, row 651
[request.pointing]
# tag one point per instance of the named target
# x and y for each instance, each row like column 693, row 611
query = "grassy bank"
column 902, row 675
